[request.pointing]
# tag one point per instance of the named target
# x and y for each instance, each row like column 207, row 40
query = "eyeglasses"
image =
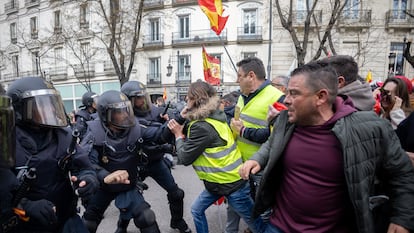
column 384, row 92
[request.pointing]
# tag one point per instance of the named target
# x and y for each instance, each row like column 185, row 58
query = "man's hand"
column 411, row 156
column 394, row 228
column 88, row 185
column 117, row 177
column 249, row 167
column 272, row 112
column 236, row 125
column 165, row 117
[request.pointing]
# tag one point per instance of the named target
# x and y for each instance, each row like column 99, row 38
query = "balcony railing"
column 183, row 78
column 154, row 79
column 399, row 19
column 85, row 70
column 153, row 41
column 58, row 73
column 183, row 2
column 11, row 7
column 251, row 34
column 153, row 4
column 31, row 3
column 299, row 17
column 197, row 37
column 355, row 18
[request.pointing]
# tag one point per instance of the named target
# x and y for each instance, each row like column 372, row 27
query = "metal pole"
column 231, row 60
column 178, row 74
column 269, row 58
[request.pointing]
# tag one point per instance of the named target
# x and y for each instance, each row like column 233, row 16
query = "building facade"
column 35, row 41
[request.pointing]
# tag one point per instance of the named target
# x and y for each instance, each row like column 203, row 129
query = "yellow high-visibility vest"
column 219, row 164
column 253, row 115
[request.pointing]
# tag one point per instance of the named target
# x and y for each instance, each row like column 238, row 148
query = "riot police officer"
column 115, row 144
column 151, row 116
column 8, row 181
column 87, row 112
column 43, row 142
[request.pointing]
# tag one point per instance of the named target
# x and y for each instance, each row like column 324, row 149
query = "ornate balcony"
column 153, row 41
column 252, row 34
column 198, row 37
column 153, row 4
column 398, row 19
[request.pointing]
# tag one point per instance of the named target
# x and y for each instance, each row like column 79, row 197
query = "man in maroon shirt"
column 322, row 159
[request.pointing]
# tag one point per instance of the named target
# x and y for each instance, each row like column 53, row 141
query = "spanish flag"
column 213, row 9
column 211, row 68
column 368, row 78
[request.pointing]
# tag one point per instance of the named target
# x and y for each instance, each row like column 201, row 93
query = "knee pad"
column 144, row 218
column 177, row 195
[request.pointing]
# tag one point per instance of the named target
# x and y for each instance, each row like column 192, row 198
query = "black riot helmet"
column 88, row 99
column 115, row 109
column 37, row 103
column 137, row 90
column 7, row 131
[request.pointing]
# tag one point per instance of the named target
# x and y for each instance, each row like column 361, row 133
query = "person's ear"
column 341, row 81
column 322, row 96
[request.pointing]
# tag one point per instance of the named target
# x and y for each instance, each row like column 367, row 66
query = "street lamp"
column 187, row 67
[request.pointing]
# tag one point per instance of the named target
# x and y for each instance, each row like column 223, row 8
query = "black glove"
column 42, row 211
column 92, row 185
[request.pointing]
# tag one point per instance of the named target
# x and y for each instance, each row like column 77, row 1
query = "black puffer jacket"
column 371, row 149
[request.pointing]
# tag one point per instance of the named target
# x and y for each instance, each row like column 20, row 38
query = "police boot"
column 122, row 226
column 176, row 208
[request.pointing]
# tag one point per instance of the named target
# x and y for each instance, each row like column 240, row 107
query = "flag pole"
column 231, row 60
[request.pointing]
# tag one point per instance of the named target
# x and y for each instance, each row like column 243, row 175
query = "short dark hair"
column 229, row 98
column 344, row 66
column 319, row 77
column 253, row 64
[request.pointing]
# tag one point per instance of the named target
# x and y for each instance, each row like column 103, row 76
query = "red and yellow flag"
column 211, row 68
column 213, row 9
column 164, row 94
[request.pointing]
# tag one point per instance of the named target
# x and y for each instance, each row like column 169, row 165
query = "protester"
column 210, row 148
column 43, row 142
column 252, row 128
column 394, row 99
column 115, row 143
column 158, row 164
column 348, row 83
column 228, row 103
column 322, row 159
column 281, row 82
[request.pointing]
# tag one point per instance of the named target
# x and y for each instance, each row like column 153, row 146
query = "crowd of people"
column 304, row 153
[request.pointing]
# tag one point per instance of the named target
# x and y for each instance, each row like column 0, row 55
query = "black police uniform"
column 156, row 166
column 110, row 152
column 83, row 115
column 42, row 141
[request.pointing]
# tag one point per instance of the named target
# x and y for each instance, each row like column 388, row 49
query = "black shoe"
column 180, row 225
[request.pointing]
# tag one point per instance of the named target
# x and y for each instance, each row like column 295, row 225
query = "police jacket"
column 43, row 150
column 158, row 138
column 110, row 152
column 203, row 136
column 370, row 149
column 81, row 117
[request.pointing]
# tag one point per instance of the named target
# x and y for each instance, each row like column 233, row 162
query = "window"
column 84, row 15
column 351, row 10
column 155, row 29
column 249, row 21
column 35, row 62
column 249, row 54
column 85, row 47
column 15, row 65
column 399, row 8
column 13, row 33
column 396, row 59
column 184, row 26
column 183, row 61
column 33, row 27
column 302, row 9
column 154, row 76
column 58, row 56
column 57, row 21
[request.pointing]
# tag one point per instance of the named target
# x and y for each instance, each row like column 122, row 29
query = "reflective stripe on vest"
column 253, row 115
column 219, row 164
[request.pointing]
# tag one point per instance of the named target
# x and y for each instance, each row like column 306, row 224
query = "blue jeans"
column 239, row 200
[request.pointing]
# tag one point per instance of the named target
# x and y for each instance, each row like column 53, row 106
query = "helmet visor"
column 121, row 115
column 44, row 107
